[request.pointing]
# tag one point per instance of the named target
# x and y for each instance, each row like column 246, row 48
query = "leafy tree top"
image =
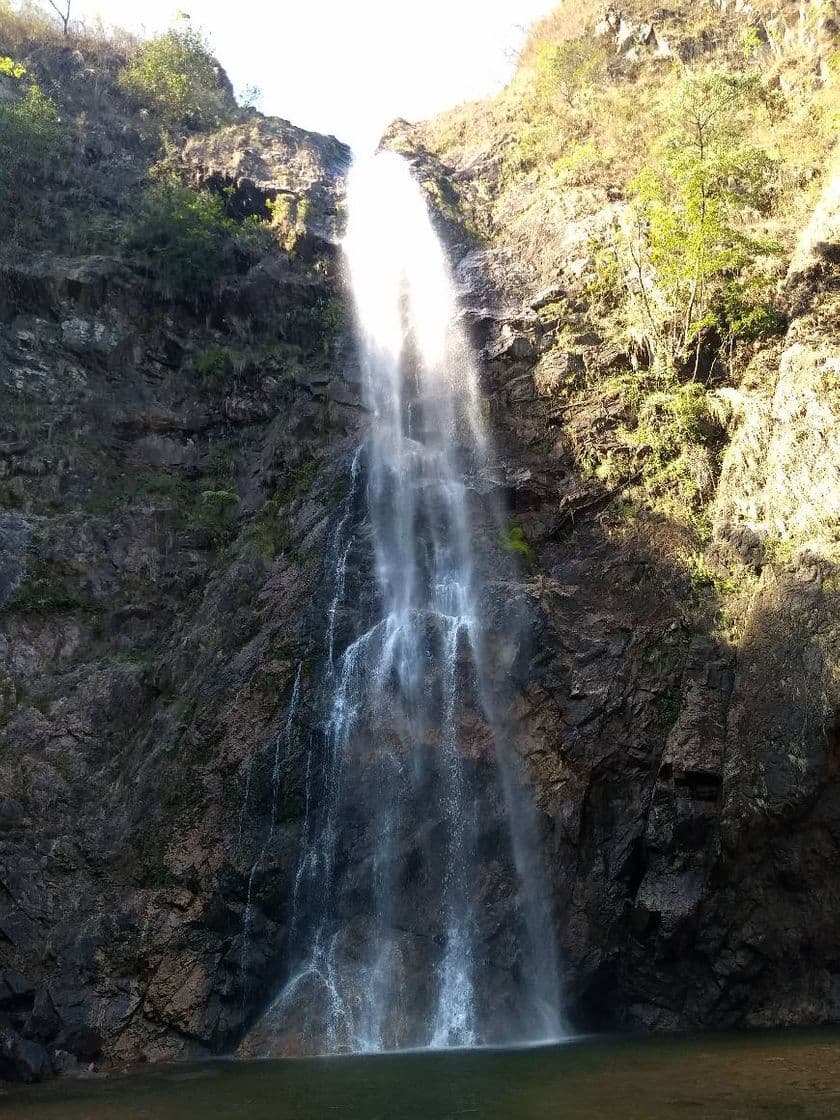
column 177, row 77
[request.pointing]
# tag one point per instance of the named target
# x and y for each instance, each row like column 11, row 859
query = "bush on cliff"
column 569, row 71
column 187, row 240
column 178, row 79
column 689, row 266
column 215, row 512
column 29, row 136
column 185, row 237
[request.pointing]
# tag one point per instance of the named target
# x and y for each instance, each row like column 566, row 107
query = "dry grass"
column 23, row 24
column 547, row 168
column 569, row 20
column 25, row 27
column 613, row 131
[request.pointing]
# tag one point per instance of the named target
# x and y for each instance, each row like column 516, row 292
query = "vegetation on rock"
column 186, row 237
column 689, row 270
column 671, row 165
column 216, row 510
column 288, row 215
column 30, row 133
column 177, row 78
column 171, row 455
column 516, row 542
column 213, row 365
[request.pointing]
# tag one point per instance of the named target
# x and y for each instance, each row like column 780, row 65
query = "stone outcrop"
column 263, row 158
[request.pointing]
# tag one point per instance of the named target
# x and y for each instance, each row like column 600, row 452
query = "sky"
column 348, row 67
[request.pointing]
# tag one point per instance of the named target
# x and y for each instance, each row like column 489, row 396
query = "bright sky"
column 348, row 66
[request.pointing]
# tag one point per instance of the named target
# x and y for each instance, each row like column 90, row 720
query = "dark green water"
column 779, row 1076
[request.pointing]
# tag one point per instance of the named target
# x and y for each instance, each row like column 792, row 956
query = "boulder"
column 20, row 1058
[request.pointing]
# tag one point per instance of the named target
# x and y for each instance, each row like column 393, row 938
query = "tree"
column 689, row 265
column 569, row 69
column 30, row 133
column 63, row 12
column 176, row 76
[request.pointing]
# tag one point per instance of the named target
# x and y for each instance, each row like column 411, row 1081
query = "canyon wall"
column 171, row 470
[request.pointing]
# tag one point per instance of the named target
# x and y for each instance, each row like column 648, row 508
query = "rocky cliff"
column 168, row 469
column 680, row 699
column 171, row 468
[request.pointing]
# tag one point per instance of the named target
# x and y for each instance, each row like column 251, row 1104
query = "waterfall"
column 420, row 914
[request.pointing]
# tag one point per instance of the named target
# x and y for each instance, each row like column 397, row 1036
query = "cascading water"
column 420, row 915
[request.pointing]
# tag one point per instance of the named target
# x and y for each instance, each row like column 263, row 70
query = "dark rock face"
column 20, row 1058
column 167, row 478
column 688, row 786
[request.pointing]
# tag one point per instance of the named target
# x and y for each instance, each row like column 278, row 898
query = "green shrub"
column 177, row 77
column 222, row 463
column 11, row 69
column 46, row 589
column 317, row 324
column 669, row 707
column 741, row 308
column 332, row 315
column 185, row 236
column 214, row 365
column 673, row 442
column 158, row 484
column 254, row 239
column 569, row 70
column 268, row 532
column 560, row 110
column 29, row 138
column 515, row 541
column 188, row 240
column 689, row 266
column 288, row 215
column 215, row 511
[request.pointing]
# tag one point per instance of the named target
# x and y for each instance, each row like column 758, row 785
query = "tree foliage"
column 11, row 69
column 569, row 70
column 177, row 77
column 688, row 262
column 184, row 235
column 187, row 240
column 30, row 133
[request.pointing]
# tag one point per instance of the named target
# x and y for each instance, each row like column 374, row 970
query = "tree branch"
column 62, row 13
